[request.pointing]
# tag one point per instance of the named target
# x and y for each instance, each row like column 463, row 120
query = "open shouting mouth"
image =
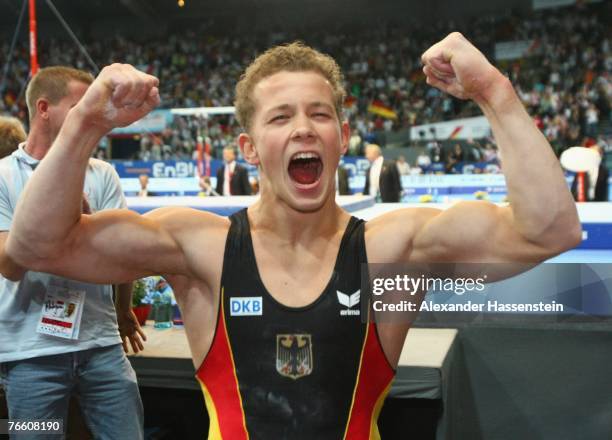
column 305, row 168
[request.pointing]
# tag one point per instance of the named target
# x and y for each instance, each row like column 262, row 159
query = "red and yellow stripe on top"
column 217, row 377
column 374, row 380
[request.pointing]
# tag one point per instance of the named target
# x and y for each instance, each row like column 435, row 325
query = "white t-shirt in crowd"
column 375, row 175
column 228, row 171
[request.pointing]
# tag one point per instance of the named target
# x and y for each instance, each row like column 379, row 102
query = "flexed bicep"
column 477, row 232
column 113, row 246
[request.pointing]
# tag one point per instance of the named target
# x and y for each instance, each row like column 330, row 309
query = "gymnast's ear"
column 346, row 136
column 248, row 149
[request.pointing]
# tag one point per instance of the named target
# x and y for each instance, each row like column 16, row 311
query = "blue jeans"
column 102, row 379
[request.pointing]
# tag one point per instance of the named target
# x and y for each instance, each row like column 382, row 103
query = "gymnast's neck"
column 271, row 215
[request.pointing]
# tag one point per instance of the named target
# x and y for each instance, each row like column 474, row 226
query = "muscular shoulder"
column 390, row 237
column 201, row 235
column 191, row 227
column 182, row 218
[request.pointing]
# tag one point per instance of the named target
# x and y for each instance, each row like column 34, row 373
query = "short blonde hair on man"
column 294, row 57
column 12, row 134
column 52, row 83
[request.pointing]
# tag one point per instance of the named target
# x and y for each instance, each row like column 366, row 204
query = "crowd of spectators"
column 567, row 86
column 564, row 82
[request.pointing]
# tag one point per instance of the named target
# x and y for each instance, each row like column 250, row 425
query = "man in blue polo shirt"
column 60, row 337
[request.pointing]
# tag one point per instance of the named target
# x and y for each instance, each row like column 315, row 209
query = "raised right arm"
column 111, row 246
column 50, row 234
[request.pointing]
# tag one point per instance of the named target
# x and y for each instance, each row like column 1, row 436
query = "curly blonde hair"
column 293, row 57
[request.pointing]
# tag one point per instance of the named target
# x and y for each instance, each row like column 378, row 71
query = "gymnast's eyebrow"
column 282, row 107
column 321, row 104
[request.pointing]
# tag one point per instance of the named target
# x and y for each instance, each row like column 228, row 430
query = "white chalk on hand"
column 110, row 111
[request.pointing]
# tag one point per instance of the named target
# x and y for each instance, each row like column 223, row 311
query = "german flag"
column 378, row 108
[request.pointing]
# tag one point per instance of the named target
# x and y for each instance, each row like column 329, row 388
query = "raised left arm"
column 541, row 220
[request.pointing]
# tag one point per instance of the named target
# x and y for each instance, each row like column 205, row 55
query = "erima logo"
column 246, row 306
column 349, row 301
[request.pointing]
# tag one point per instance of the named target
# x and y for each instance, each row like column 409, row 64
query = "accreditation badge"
column 61, row 313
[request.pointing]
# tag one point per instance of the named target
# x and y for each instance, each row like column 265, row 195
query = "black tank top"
column 278, row 372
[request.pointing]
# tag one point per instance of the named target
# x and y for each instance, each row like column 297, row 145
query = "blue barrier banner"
column 596, row 236
column 491, row 186
column 168, row 168
column 162, row 168
column 356, row 166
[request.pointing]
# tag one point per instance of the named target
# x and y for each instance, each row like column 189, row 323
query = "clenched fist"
column 119, row 96
column 455, row 66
